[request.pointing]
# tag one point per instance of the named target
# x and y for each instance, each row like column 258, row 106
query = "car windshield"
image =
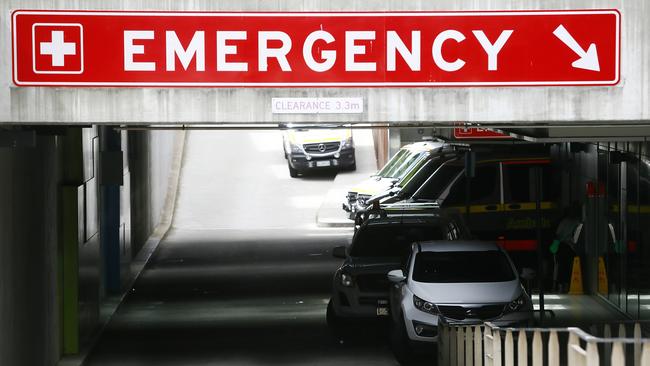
column 437, row 182
column 456, row 267
column 391, row 240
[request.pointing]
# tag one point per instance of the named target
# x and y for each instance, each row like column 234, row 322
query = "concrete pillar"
column 69, row 239
column 29, row 310
column 394, row 141
column 110, row 180
column 594, row 217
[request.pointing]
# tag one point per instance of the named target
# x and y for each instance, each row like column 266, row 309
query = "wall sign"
column 370, row 49
column 316, row 105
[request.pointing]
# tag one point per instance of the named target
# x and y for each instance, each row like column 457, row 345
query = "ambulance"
column 309, row 148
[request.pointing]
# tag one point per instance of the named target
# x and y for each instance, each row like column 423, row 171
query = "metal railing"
column 489, row 345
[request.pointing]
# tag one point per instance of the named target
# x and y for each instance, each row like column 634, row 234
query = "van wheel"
column 401, row 344
column 292, row 172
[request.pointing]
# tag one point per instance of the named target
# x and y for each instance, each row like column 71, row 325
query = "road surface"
column 243, row 277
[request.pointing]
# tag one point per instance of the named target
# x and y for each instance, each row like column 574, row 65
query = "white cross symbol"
column 58, row 48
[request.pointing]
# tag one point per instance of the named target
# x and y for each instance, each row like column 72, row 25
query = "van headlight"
column 425, row 306
column 348, row 143
column 296, row 149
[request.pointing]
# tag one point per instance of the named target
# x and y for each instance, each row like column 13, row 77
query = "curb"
column 333, row 223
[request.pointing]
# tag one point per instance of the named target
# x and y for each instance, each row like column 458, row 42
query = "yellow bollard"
column 576, row 278
column 603, row 288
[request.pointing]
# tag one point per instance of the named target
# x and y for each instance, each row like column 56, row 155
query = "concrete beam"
column 626, row 101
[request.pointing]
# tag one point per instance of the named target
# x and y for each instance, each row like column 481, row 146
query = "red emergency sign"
column 373, row 49
column 473, row 133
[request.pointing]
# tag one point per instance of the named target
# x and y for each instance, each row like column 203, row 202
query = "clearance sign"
column 370, row 49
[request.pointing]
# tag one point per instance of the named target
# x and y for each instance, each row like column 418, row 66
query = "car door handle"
column 514, row 206
column 491, row 207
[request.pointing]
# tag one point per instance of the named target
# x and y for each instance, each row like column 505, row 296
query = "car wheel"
column 401, row 344
column 352, row 167
column 332, row 318
column 292, row 172
column 334, row 322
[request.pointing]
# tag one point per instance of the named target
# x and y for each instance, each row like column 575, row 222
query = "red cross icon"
column 57, row 48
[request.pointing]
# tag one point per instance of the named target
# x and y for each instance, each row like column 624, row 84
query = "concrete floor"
column 576, row 311
column 243, row 277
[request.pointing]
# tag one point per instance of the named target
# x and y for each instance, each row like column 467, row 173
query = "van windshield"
column 414, row 161
column 391, row 240
column 467, row 267
column 414, row 170
column 403, row 163
column 437, row 182
column 384, row 172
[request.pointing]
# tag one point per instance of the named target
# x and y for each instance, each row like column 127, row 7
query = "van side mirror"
column 396, row 276
column 527, row 274
column 339, row 252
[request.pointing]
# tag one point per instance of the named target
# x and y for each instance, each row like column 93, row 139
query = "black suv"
column 360, row 287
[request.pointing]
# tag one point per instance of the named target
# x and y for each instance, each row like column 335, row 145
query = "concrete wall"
column 89, row 249
column 161, row 155
column 31, row 270
column 626, row 101
column 29, row 314
column 150, row 158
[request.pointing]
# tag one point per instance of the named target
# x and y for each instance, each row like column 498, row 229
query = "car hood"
column 409, row 204
column 372, row 186
column 467, row 293
column 301, row 136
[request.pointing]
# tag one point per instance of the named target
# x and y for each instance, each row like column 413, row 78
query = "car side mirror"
column 396, row 276
column 339, row 252
column 527, row 274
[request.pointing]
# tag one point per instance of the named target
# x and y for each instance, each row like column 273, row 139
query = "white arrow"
column 588, row 59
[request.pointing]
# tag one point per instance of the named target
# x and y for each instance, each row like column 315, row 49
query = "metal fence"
column 620, row 344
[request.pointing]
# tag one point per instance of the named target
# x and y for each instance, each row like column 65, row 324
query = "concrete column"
column 594, row 220
column 394, row 141
column 69, row 239
column 29, row 214
column 110, row 179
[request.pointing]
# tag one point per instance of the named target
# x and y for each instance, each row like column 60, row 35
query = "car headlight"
column 346, row 280
column 361, row 199
column 425, row 306
column 518, row 303
column 348, row 143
